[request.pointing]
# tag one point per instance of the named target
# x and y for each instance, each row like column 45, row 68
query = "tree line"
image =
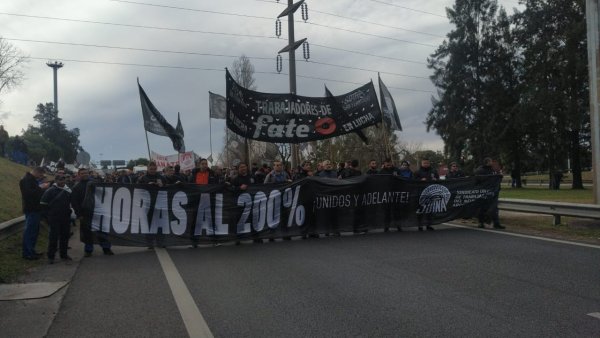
column 514, row 86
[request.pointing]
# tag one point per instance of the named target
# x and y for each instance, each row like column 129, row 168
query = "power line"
column 410, row 9
column 204, row 54
column 194, row 10
column 263, row 17
column 203, row 32
column 365, row 21
column 208, row 69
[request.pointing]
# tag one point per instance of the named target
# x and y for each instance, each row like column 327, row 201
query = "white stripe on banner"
column 192, row 318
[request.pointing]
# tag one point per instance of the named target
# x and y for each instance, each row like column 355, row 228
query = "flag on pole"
column 388, row 107
column 338, row 108
column 180, row 133
column 217, row 106
column 155, row 123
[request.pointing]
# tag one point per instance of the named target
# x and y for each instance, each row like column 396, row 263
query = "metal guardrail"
column 11, row 226
column 556, row 209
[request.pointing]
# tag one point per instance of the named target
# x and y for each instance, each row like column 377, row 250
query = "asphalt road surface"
column 451, row 282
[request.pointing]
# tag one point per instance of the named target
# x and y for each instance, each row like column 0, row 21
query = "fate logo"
column 433, row 199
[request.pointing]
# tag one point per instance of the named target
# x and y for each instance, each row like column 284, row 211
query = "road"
column 451, row 282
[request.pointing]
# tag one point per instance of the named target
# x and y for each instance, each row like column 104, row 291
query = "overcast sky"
column 192, row 42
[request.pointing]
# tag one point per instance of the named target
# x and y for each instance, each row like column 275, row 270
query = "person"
column 240, row 183
column 328, row 170
column 202, row 174
column 56, row 205
column 3, row 140
column 84, row 215
column 351, row 170
column 277, row 175
column 372, row 168
column 341, row 167
column 260, row 174
column 454, row 172
column 126, row 177
column 152, row 176
column 170, row 177
column 388, row 168
column 404, row 170
column 304, row 171
column 32, row 188
column 492, row 209
column 426, row 172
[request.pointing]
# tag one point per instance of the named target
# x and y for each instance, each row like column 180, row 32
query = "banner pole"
column 210, row 134
column 148, row 145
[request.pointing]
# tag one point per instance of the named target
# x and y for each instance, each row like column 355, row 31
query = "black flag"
column 155, row 123
column 388, row 107
column 338, row 107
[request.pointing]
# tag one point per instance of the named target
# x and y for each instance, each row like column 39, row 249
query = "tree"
column 11, row 66
column 459, row 68
column 553, row 39
column 55, row 133
column 237, row 147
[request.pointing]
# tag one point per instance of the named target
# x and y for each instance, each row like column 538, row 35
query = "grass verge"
column 544, row 194
column 12, row 265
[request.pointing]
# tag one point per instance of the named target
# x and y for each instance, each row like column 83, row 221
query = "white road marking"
column 594, row 314
column 526, row 236
column 192, row 318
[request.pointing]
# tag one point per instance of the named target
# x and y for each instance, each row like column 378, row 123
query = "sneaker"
column 481, row 226
column 257, row 241
column 108, row 252
column 420, row 228
column 238, row 243
column 313, row 236
column 87, row 254
column 386, row 229
column 498, row 226
column 287, row 238
column 399, row 229
column 336, row 234
column 50, row 260
column 430, row 228
column 271, row 239
column 66, row 258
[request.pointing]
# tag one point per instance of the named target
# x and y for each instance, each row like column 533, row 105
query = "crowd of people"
column 60, row 201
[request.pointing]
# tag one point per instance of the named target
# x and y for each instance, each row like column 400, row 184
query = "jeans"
column 30, row 235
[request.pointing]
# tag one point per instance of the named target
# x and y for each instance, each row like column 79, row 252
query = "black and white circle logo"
column 433, row 199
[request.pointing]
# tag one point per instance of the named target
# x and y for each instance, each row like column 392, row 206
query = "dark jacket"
column 429, row 174
column 78, row 196
column 486, row 170
column 150, row 179
column 31, row 193
column 388, row 171
column 56, row 203
column 237, row 181
column 328, row 173
column 455, row 174
column 372, row 172
column 350, row 172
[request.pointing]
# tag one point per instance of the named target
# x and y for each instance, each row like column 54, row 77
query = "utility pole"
column 593, row 41
column 55, row 66
column 291, row 49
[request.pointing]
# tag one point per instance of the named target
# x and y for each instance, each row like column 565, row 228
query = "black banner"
column 179, row 215
column 287, row 118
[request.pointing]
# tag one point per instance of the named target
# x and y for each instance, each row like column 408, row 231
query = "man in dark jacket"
column 56, row 203
column 491, row 209
column 351, row 170
column 85, row 216
column 454, row 172
column 372, row 168
column 388, row 168
column 152, row 176
column 31, row 193
column 426, row 172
